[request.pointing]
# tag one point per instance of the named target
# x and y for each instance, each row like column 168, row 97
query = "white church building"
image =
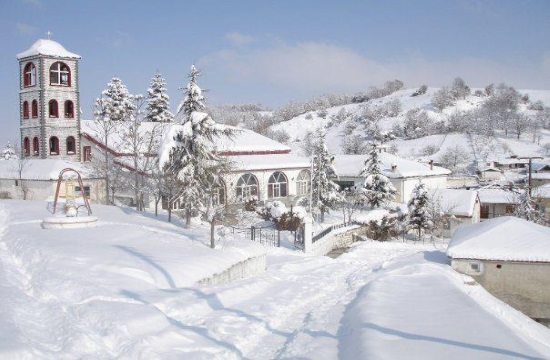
column 54, row 137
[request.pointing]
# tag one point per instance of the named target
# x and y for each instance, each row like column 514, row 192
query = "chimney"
column 431, row 164
column 393, row 167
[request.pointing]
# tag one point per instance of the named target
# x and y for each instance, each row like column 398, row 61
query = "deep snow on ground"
column 125, row 290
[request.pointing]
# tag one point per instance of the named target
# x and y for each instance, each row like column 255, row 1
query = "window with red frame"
column 54, row 145
column 34, row 109
column 27, row 146
column 60, row 74
column 35, row 146
column 29, row 75
column 69, row 109
column 25, row 109
column 53, row 109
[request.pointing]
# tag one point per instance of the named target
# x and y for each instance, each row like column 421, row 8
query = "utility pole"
column 530, row 158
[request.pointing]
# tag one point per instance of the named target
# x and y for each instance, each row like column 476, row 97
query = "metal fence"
column 267, row 236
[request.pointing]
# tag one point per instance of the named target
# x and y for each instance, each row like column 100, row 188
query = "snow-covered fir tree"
column 186, row 150
column 419, row 217
column 158, row 101
column 115, row 105
column 324, row 192
column 527, row 209
column 377, row 189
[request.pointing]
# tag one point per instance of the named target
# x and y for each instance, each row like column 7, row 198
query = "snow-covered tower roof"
column 47, row 47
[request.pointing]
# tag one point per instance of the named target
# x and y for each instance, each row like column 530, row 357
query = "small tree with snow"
column 158, row 102
column 459, row 89
column 419, row 217
column 527, row 209
column 9, row 152
column 377, row 189
column 324, row 192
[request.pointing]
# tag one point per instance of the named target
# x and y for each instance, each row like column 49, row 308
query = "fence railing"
column 331, row 228
column 267, row 236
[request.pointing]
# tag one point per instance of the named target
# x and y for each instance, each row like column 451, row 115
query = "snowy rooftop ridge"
column 458, row 202
column 505, row 238
column 392, row 166
column 48, row 48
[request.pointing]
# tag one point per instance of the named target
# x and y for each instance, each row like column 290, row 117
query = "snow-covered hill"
column 432, row 146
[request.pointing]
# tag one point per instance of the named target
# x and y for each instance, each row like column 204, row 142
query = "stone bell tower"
column 49, row 101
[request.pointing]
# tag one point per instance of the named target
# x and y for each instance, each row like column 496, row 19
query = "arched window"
column 29, row 75
column 247, row 186
column 26, row 146
column 54, row 145
column 276, row 186
column 69, row 109
column 35, row 146
column 70, row 145
column 25, row 109
column 53, row 110
column 303, row 183
column 60, row 74
column 34, row 109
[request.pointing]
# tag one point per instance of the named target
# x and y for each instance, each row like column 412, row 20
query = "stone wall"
column 246, row 268
column 522, row 285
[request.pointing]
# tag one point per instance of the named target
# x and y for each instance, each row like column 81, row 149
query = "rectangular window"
column 86, row 191
column 87, row 153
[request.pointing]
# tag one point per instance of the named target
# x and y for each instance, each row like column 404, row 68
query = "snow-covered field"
column 125, row 289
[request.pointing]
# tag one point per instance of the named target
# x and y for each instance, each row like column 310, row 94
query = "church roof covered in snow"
column 40, row 169
column 47, row 47
column 392, row 166
column 505, row 238
column 245, row 141
column 269, row 162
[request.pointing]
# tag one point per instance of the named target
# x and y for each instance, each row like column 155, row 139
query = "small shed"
column 459, row 206
column 510, row 258
column 497, row 201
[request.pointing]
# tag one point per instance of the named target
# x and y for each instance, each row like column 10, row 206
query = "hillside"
column 349, row 128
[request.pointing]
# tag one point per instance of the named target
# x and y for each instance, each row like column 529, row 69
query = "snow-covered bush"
column 420, row 91
column 251, row 203
column 285, row 219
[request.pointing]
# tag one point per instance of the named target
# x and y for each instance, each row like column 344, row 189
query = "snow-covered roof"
column 497, row 196
column 458, row 202
column 40, row 169
column 351, row 165
column 244, row 141
column 48, row 48
column 505, row 238
column 269, row 162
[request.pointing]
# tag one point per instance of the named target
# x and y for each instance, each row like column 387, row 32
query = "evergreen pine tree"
column 377, row 189
column 187, row 153
column 419, row 216
column 158, row 102
column 324, row 192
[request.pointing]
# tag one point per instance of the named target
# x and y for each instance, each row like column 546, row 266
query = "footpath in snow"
column 125, row 290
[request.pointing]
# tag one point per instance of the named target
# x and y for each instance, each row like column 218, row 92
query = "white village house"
column 510, row 258
column 54, row 137
column 497, row 201
column 459, row 206
column 404, row 174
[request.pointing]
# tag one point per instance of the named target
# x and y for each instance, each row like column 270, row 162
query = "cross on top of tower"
column 49, row 34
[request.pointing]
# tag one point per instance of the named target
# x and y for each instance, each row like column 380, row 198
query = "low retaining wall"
column 246, row 268
column 338, row 239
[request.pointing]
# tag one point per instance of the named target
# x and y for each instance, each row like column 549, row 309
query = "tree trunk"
column 157, row 206
column 212, row 241
column 187, row 218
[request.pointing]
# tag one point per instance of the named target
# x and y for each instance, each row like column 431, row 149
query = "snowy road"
column 113, row 293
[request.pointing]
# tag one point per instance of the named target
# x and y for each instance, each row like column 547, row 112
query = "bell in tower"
column 49, row 101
